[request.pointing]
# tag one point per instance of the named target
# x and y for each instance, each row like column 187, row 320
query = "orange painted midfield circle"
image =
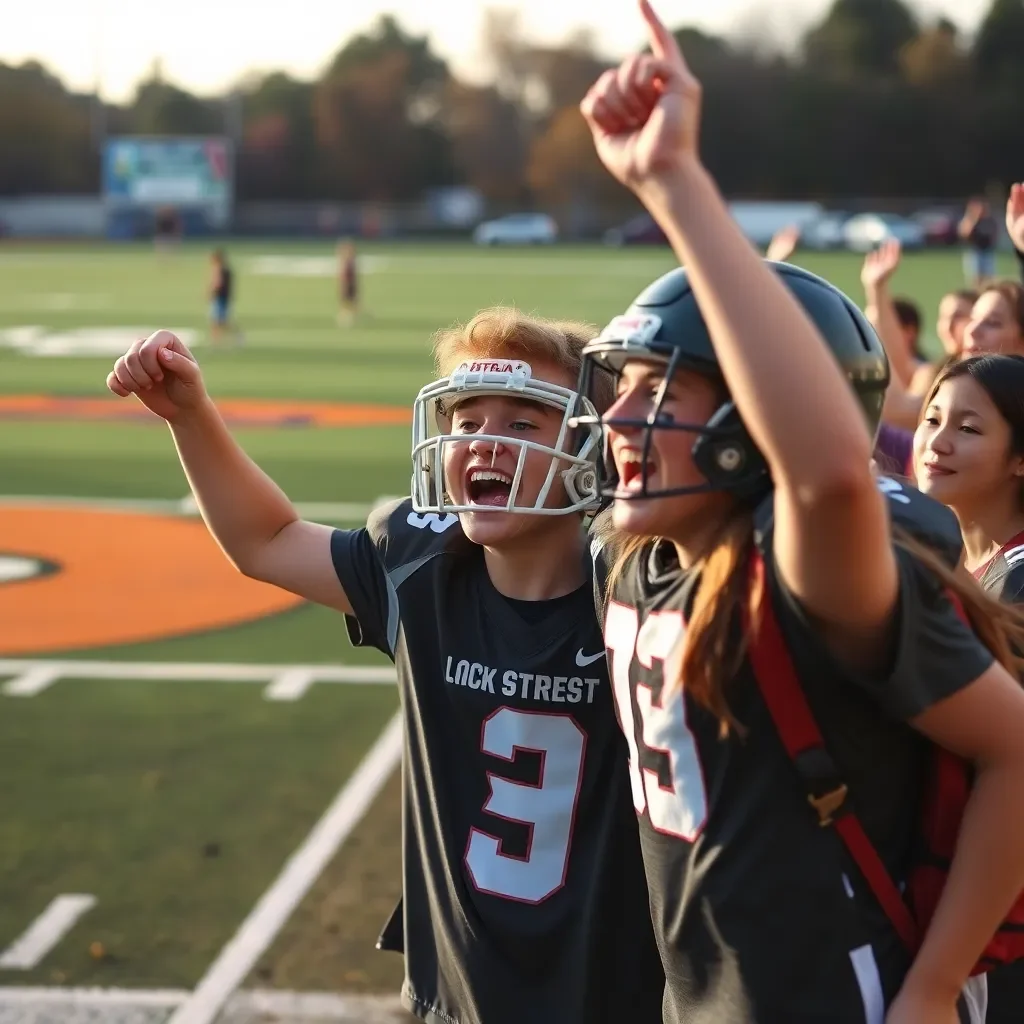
column 118, row 578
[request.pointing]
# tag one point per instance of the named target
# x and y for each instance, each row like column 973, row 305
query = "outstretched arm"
column 1015, row 223
column 249, row 516
column 832, row 535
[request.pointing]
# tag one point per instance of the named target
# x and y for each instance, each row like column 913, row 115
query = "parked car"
column 865, row 231
column 826, row 232
column 761, row 221
column 639, row 230
column 939, row 224
column 517, row 229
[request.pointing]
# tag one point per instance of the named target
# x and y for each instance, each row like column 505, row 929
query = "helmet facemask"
column 723, row 452
column 574, row 454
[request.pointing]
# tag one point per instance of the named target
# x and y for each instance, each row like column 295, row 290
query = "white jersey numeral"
column 548, row 808
column 422, row 520
column 679, row 809
column 892, row 489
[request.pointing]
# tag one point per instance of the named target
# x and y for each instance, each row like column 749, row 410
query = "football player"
column 348, row 283
column 741, row 453
column 524, row 895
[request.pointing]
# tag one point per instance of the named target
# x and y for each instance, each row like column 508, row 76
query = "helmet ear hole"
column 726, row 456
column 729, row 457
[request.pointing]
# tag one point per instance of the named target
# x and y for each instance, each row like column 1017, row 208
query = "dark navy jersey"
column 222, row 289
column 524, row 895
column 760, row 914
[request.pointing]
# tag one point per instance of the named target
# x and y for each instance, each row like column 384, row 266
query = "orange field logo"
column 76, row 578
column 82, row 578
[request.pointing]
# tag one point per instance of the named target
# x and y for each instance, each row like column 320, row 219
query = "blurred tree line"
column 872, row 102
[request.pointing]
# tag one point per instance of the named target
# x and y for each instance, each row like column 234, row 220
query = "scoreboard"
column 193, row 175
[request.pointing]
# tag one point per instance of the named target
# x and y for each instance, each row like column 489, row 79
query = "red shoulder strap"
column 777, row 679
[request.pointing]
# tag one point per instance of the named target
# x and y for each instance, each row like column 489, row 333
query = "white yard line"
column 274, row 1002
column 32, row 994
column 46, row 931
column 27, row 678
column 276, row 905
column 29, row 683
column 290, row 685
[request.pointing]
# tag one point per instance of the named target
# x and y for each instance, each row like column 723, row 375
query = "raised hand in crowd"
column 783, row 244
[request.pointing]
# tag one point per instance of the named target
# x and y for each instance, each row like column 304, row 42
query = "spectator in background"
column 221, row 294
column 908, row 313
column 348, row 282
column 978, row 231
column 897, row 322
column 997, row 321
column 783, row 244
column 954, row 314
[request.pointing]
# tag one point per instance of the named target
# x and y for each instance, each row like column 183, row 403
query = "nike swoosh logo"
column 583, row 660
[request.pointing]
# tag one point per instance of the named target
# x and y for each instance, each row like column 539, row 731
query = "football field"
column 199, row 814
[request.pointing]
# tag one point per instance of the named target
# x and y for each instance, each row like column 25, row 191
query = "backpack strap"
column 826, row 792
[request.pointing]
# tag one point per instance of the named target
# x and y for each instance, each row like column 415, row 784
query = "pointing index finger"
column 663, row 43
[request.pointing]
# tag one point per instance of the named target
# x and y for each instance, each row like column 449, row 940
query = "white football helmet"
column 499, row 377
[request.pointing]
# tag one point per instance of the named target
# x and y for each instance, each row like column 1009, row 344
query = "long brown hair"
column 709, row 655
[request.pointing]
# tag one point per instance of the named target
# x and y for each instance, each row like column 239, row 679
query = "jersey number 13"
column 677, row 806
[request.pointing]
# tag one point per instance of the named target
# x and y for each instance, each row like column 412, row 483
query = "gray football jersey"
column 524, row 891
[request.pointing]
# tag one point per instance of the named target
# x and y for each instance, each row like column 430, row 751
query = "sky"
column 206, row 45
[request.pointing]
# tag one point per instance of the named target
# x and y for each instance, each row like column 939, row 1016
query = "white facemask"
column 501, row 377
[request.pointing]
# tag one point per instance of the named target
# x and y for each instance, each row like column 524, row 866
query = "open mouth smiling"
column 488, row 487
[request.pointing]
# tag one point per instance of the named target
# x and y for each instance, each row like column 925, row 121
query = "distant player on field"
column 221, row 294
column 348, row 284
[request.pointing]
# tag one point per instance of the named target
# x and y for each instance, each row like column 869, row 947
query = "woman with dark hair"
column 969, row 454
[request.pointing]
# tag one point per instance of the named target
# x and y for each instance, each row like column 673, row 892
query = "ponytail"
column 999, row 626
column 711, row 653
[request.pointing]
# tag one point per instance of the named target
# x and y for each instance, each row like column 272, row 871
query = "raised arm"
column 832, row 535
column 876, row 274
column 248, row 514
column 1015, row 223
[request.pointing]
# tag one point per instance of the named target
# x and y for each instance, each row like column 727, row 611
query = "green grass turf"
column 119, row 789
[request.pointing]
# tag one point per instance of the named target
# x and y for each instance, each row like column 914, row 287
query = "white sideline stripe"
column 306, row 1005
column 25, row 994
column 34, row 681
column 345, row 511
column 186, row 672
column 281, row 1003
column 289, row 685
column 46, row 931
column 304, row 866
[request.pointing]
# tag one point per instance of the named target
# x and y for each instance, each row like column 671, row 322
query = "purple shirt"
column 894, row 449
